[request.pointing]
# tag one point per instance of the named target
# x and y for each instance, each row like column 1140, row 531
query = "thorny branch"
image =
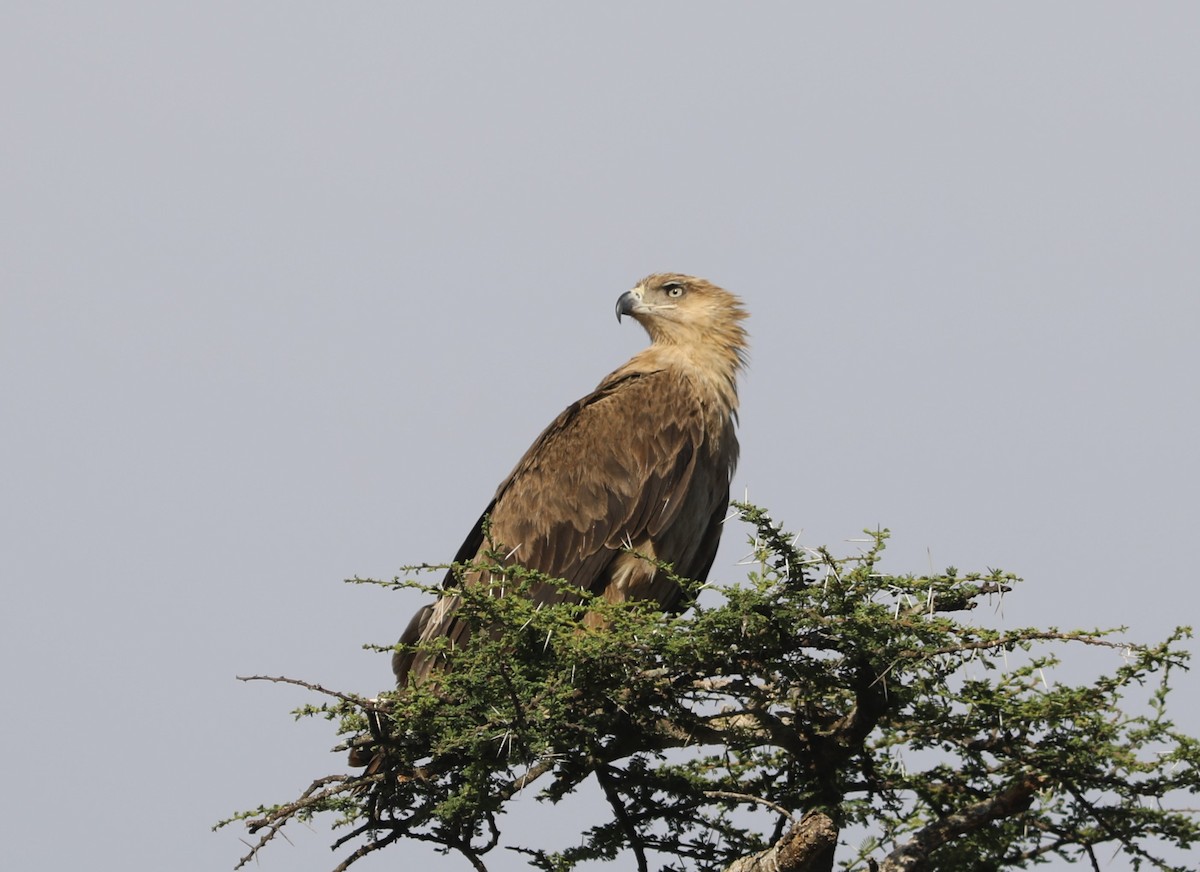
column 912, row 854
column 365, row 703
column 273, row 820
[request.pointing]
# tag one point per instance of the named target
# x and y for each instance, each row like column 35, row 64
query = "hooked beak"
column 628, row 303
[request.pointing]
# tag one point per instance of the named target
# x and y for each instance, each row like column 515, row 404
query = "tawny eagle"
column 640, row 466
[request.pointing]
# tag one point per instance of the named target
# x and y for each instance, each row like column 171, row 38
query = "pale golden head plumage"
column 678, row 308
column 693, row 324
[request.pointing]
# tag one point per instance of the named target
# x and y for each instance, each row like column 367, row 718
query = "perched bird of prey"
column 640, row 466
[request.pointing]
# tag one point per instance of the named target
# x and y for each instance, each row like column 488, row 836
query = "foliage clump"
column 820, row 712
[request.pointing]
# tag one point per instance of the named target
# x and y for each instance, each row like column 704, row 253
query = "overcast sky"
column 287, row 288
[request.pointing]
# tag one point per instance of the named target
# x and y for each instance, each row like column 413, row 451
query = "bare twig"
column 368, row 848
column 746, row 797
column 366, row 703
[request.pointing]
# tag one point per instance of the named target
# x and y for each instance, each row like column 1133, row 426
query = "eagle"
column 632, row 476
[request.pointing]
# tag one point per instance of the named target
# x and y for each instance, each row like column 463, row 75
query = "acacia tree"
column 822, row 712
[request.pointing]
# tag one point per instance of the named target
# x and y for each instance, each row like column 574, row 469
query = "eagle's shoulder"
column 612, row 466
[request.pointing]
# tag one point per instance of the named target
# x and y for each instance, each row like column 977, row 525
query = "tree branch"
column 273, row 820
column 746, row 797
column 913, row 854
column 604, row 777
column 807, row 847
column 366, row 703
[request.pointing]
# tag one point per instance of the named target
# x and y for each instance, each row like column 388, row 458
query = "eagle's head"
column 684, row 310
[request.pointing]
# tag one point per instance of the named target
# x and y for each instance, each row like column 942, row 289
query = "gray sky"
column 288, row 288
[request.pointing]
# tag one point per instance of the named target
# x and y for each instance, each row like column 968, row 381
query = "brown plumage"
column 642, row 463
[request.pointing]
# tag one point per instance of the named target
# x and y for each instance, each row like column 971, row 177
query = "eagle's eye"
column 673, row 289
